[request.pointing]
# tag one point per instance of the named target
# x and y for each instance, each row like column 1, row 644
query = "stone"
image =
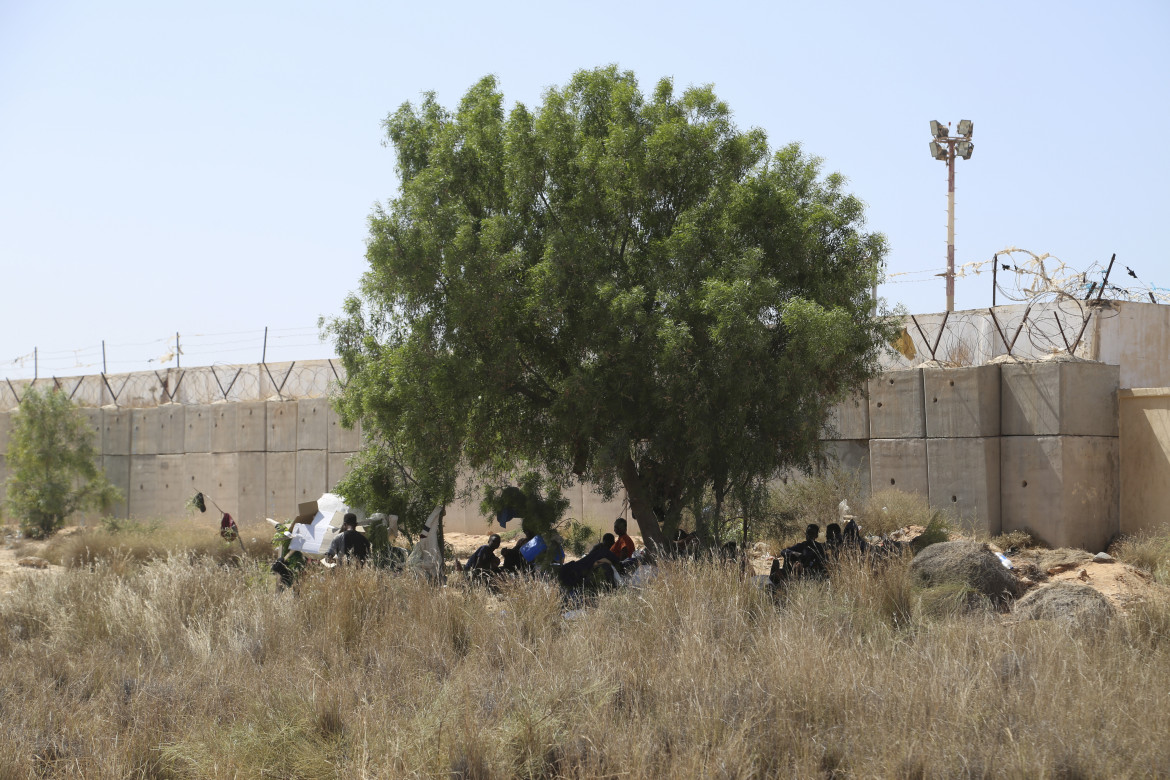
column 1103, row 558
column 1073, row 605
column 971, row 564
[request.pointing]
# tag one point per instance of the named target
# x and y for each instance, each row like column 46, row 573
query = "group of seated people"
column 810, row 557
column 614, row 549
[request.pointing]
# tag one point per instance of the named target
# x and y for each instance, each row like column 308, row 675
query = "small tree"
column 52, row 464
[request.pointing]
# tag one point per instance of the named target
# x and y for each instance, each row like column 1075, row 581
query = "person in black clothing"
column 350, row 543
column 852, row 535
column 483, row 563
column 810, row 553
column 574, row 573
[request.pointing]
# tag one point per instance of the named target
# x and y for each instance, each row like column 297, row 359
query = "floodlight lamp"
column 938, row 129
column 966, row 126
column 936, row 151
column 964, row 149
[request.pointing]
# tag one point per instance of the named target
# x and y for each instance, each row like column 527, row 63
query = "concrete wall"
column 1145, row 460
column 1030, row 446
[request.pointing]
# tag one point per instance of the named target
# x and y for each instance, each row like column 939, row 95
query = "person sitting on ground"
column 852, row 536
column 834, row 541
column 574, row 573
column 623, row 548
column 350, row 543
column 810, row 553
column 483, row 562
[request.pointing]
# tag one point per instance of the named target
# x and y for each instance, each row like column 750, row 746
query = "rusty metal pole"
column 950, row 225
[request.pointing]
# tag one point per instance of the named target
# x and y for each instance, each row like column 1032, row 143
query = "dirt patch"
column 1119, row 582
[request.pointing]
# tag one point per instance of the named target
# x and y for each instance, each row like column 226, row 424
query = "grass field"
column 191, row 665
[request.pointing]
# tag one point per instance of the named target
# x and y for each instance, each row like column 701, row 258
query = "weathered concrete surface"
column 282, row 426
column 145, row 494
column 895, row 405
column 1145, row 460
column 6, row 431
column 224, row 430
column 312, row 474
column 172, row 491
column 898, row 463
column 116, row 429
column 117, row 471
column 343, row 439
column 252, row 427
column 963, row 477
column 280, row 485
column 337, row 468
column 225, row 481
column 1062, row 489
column 251, row 489
column 962, row 402
column 313, row 424
column 848, row 420
column 851, row 456
column 158, row 431
column 199, row 420
column 1051, row 398
column 1136, row 337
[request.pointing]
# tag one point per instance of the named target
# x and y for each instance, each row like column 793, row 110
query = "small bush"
column 579, row 537
column 1017, row 539
column 1149, row 551
column 888, row 510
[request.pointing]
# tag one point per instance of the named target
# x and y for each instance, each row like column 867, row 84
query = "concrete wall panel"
column 159, row 430
column 225, row 481
column 282, row 426
column 312, row 474
column 962, row 402
column 898, row 464
column 6, row 431
column 117, row 470
column 280, row 485
column 313, row 424
column 1053, row 398
column 963, row 476
column 174, row 481
column 252, row 494
column 342, row 439
column 252, row 427
column 198, row 477
column 223, row 427
column 851, row 456
column 144, row 486
column 338, row 468
column 145, row 431
column 116, row 431
column 849, row 420
column 1145, row 460
column 895, row 405
column 1062, row 489
column 93, row 417
column 199, row 420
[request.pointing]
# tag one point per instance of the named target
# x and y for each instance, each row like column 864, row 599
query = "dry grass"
column 1150, row 551
column 134, row 543
column 185, row 668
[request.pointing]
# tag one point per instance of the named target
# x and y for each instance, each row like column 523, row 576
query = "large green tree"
column 52, row 463
column 621, row 287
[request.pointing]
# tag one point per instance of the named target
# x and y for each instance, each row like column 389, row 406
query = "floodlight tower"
column 945, row 147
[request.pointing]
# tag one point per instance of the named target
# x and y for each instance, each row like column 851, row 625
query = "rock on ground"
column 968, row 563
column 1077, row 606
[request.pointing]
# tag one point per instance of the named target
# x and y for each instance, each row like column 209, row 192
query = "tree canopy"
column 620, row 287
column 53, row 464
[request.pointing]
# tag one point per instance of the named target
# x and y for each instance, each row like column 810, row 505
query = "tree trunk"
column 641, row 505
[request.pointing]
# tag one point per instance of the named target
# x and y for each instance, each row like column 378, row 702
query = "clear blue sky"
column 208, row 168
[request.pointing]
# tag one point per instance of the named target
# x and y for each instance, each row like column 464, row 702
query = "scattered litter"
column 1007, row 564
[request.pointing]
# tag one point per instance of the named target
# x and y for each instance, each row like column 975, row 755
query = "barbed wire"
column 278, row 344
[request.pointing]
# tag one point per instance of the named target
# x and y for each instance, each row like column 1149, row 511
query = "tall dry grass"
column 187, row 668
